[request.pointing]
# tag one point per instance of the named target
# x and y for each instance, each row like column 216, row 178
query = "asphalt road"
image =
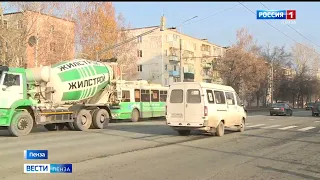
column 272, row 147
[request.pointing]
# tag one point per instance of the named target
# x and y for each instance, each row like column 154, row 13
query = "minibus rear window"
column 193, row 96
column 176, row 96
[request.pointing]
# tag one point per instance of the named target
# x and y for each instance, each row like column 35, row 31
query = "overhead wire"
column 295, row 29
column 279, row 30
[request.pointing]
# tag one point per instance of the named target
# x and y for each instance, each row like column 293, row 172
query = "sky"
column 221, row 29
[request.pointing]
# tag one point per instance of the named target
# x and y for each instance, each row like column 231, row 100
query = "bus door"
column 146, row 110
column 155, row 105
column 163, row 102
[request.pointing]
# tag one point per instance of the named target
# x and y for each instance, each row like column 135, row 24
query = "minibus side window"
column 230, row 98
column 193, row 96
column 210, row 96
column 176, row 96
column 238, row 100
column 220, row 98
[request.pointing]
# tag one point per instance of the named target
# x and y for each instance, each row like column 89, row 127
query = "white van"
column 204, row 106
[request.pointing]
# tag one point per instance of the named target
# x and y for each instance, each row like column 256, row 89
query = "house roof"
column 176, row 32
column 18, row 12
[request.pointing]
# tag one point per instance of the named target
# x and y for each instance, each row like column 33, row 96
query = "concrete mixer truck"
column 70, row 94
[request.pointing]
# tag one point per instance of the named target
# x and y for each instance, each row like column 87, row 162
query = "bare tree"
column 307, row 64
column 242, row 67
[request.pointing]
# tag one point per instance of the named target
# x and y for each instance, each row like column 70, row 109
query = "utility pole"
column 181, row 63
column 272, row 81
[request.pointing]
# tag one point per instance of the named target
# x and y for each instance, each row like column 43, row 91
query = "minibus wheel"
column 220, row 129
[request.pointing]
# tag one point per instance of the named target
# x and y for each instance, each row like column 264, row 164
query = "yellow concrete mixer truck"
column 70, row 94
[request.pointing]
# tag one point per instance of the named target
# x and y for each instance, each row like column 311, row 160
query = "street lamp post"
column 180, row 42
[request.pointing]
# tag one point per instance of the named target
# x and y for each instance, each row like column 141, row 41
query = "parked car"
column 309, row 105
column 280, row 109
column 316, row 109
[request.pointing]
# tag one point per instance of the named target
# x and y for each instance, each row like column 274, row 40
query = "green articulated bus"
column 139, row 99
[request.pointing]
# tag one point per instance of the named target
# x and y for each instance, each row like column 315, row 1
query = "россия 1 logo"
column 287, row 16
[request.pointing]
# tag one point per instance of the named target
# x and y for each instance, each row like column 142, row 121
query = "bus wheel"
column 135, row 115
column 54, row 127
column 83, row 120
column 101, row 119
column 21, row 124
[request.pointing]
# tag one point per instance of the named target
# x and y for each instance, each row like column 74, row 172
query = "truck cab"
column 13, row 85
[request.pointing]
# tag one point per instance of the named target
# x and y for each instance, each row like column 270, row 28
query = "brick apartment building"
column 30, row 39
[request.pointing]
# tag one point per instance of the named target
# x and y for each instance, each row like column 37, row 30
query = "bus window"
column 137, row 95
column 155, row 96
column 145, row 95
column 163, row 96
column 125, row 96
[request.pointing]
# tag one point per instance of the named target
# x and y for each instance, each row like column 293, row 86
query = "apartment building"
column 160, row 53
column 29, row 39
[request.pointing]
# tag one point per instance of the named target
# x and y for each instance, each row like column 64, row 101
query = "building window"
column 166, row 67
column 139, row 53
column 5, row 23
column 20, row 24
column 6, row 47
column 53, row 47
column 166, row 52
column 140, row 68
column 174, row 68
column 139, row 39
column 51, row 28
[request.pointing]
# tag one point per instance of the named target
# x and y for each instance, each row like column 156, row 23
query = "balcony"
column 189, row 75
column 173, row 59
column 206, row 66
column 174, row 73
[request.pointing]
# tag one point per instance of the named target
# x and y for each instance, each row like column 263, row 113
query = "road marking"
column 248, row 123
column 273, row 126
column 306, row 129
column 288, row 127
column 271, row 119
column 317, row 121
column 256, row 125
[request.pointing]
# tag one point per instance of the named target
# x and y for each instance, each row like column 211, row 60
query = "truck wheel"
column 21, row 124
column 54, row 127
column 135, row 115
column 220, row 129
column 184, row 132
column 101, row 119
column 83, row 120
